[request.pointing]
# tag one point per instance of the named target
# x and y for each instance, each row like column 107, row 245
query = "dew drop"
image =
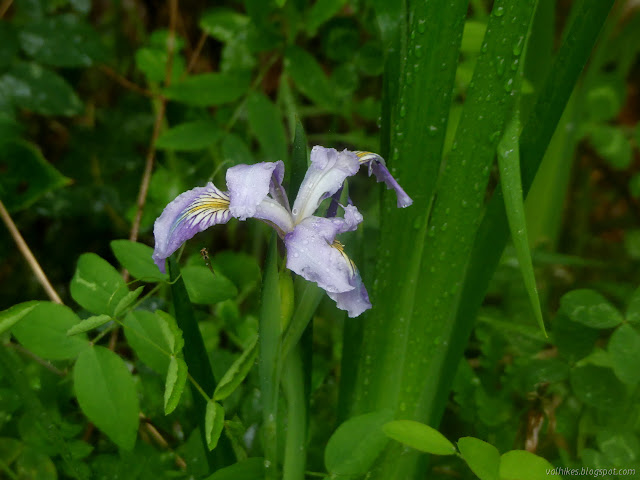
column 517, row 48
column 498, row 11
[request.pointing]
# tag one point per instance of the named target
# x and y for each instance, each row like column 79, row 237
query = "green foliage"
column 106, row 393
column 343, row 456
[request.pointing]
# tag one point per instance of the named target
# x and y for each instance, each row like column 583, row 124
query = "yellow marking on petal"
column 209, row 204
column 340, row 247
column 366, row 157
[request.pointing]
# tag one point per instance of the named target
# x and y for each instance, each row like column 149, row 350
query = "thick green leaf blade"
column 269, row 362
column 265, row 121
column 356, row 444
column 89, row 324
column 205, row 287
column 299, row 160
column 107, row 394
column 136, row 258
column 624, row 350
column 590, row 308
column 208, row 89
column 96, row 285
column 483, row 458
column 12, row 315
column 189, row 136
column 237, row 372
column 213, row 423
column 43, row 330
column 523, row 465
column 26, row 175
column 249, row 469
column 35, row 88
column 419, row 436
column 174, row 385
column 538, row 130
column 509, row 163
column 197, row 359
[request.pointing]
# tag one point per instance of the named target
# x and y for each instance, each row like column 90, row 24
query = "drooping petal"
column 376, row 165
column 326, row 174
column 313, row 253
column 249, row 185
column 354, row 301
column 191, row 212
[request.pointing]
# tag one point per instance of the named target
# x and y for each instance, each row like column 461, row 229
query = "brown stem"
column 160, row 440
column 157, row 125
column 4, row 7
column 196, row 53
column 26, row 252
column 125, row 82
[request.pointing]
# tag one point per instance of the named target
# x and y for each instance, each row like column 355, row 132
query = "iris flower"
column 255, row 191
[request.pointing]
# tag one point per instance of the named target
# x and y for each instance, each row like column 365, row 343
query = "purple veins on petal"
column 191, row 212
column 376, row 165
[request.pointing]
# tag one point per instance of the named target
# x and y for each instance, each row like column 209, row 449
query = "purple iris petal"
column 312, row 254
column 274, row 214
column 376, row 165
column 327, row 173
column 248, row 185
column 354, row 301
column 191, row 212
column 382, row 174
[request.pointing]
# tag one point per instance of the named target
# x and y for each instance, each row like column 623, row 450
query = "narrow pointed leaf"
column 174, row 386
column 237, row 372
column 249, row 469
column 127, row 301
column 214, row 422
column 89, row 324
column 269, row 362
column 509, row 163
column 299, row 160
column 197, row 360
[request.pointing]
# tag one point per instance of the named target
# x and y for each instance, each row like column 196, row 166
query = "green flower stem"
column 294, row 391
column 310, row 296
column 269, row 360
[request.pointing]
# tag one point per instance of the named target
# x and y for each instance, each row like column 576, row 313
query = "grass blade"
column 509, row 163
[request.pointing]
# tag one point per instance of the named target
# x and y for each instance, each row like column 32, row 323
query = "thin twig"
column 196, row 53
column 125, row 82
column 4, row 7
column 37, row 359
column 157, row 125
column 160, row 440
column 26, row 252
